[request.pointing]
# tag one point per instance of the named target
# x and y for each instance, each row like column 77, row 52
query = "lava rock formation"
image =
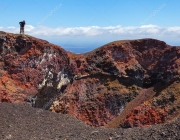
column 127, row 83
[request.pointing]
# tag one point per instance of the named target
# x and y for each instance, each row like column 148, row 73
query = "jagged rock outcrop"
column 28, row 64
column 126, row 83
column 114, row 80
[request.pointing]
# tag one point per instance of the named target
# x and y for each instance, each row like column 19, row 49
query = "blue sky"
column 91, row 23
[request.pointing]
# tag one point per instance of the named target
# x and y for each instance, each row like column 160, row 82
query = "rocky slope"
column 126, row 83
column 20, row 122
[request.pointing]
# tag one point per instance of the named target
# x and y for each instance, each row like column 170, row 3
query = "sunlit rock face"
column 127, row 83
column 27, row 65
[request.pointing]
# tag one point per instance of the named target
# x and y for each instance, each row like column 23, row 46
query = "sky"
column 82, row 25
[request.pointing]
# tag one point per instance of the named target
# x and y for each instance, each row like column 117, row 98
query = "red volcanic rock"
column 144, row 116
column 109, row 81
column 25, row 62
column 104, row 87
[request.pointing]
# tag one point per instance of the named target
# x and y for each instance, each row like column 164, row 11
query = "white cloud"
column 128, row 32
column 173, row 30
column 94, row 30
column 29, row 28
column 11, row 27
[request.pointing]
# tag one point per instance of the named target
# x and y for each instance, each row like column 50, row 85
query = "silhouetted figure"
column 22, row 24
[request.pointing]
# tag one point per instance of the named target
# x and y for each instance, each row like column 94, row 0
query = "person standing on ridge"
column 22, row 24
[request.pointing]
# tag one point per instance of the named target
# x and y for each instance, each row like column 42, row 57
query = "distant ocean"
column 84, row 48
column 79, row 49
